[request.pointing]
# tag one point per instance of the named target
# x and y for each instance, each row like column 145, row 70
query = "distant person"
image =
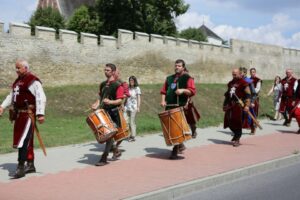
column 132, row 106
column 238, row 89
column 248, row 122
column 289, row 85
column 276, row 90
column 27, row 97
column 257, row 83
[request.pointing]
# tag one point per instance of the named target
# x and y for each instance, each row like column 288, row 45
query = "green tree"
column 150, row 16
column 47, row 17
column 193, row 34
column 85, row 19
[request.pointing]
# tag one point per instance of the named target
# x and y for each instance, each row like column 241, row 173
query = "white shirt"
column 131, row 103
column 37, row 91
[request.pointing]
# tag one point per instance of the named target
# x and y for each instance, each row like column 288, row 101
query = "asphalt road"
column 278, row 184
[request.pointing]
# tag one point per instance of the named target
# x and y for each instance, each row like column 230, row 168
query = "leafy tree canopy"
column 47, row 17
column 85, row 19
column 193, row 34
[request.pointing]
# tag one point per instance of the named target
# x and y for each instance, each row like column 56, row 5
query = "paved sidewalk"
column 68, row 172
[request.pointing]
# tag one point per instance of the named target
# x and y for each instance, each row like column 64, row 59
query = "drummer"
column 175, row 93
column 110, row 97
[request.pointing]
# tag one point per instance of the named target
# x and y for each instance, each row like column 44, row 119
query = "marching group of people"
column 241, row 105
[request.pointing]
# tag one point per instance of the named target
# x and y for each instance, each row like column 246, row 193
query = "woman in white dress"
column 132, row 106
column 276, row 90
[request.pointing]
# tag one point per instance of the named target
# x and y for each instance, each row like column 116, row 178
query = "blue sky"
column 265, row 21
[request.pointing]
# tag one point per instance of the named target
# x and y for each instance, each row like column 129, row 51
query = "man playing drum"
column 175, row 93
column 28, row 100
column 237, row 100
column 111, row 94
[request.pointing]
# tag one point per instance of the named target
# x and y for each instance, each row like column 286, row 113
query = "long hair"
column 275, row 80
column 134, row 80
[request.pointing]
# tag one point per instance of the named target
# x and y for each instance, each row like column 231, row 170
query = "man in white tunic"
column 27, row 95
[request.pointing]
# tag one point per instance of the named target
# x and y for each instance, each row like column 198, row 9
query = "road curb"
column 179, row 190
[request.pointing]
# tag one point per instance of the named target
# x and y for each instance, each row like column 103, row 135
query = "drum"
column 102, row 125
column 175, row 127
column 123, row 131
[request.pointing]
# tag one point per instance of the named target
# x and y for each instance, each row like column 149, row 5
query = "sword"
column 248, row 112
column 35, row 129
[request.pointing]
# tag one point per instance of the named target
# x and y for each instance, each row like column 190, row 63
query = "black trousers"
column 237, row 134
column 22, row 155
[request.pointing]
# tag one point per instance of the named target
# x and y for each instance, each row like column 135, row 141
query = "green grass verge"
column 66, row 106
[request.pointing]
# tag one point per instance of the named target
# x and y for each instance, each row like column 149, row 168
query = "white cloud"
column 192, row 19
column 270, row 34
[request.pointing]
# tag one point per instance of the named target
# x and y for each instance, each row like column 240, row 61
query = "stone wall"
column 151, row 57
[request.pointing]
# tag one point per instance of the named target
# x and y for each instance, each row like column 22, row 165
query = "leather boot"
column 181, row 148
column 103, row 160
column 194, row 132
column 116, row 154
column 174, row 153
column 236, row 143
column 20, row 171
column 253, row 130
column 30, row 168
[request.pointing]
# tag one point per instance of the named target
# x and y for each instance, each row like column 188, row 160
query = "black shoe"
column 194, row 134
column 103, row 160
column 131, row 139
column 30, row 168
column 236, row 143
column 174, row 157
column 116, row 155
column 181, row 148
column 298, row 132
column 20, row 171
column 253, row 130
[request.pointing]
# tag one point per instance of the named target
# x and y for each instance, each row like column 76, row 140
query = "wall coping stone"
column 108, row 37
column 194, row 41
column 125, row 31
column 170, row 38
column 156, row 36
column 141, row 33
column 88, row 35
column 19, row 24
column 182, row 40
column 42, row 28
column 64, row 31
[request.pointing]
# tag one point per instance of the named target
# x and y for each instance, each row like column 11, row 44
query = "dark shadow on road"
column 90, row 159
column 153, row 152
column 287, row 131
column 10, row 167
column 217, row 141
column 225, row 132
column 98, row 147
column 273, row 124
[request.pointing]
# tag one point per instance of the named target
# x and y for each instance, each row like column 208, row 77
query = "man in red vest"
column 238, row 90
column 289, row 85
column 27, row 93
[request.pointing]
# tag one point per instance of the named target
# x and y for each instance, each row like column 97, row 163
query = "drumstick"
column 87, row 110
